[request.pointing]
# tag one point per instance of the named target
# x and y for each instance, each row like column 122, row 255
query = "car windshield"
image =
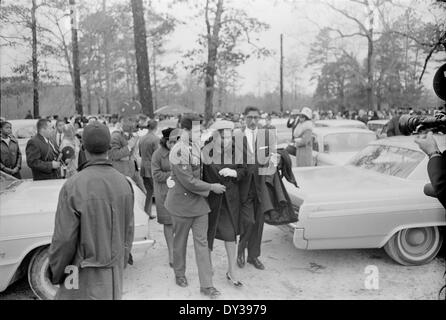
column 347, row 142
column 375, row 126
column 334, row 124
column 392, row 161
column 7, row 182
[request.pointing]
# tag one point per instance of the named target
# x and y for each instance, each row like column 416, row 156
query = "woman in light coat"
column 303, row 139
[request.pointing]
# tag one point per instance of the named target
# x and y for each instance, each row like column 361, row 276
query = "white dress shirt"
column 250, row 134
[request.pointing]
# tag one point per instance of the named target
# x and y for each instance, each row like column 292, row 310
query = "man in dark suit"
column 251, row 214
column 41, row 155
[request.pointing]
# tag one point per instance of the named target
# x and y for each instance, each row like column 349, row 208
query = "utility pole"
column 36, row 111
column 106, row 62
column 281, row 72
column 76, row 70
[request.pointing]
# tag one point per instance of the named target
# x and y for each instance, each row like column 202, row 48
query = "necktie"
column 60, row 140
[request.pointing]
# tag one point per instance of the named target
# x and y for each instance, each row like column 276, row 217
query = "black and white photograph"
column 226, row 151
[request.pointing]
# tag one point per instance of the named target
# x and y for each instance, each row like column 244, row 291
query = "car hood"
column 348, row 183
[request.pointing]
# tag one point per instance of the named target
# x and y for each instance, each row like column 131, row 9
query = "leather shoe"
column 241, row 260
column 211, row 292
column 181, row 281
column 256, row 263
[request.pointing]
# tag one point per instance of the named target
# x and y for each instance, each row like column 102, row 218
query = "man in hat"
column 186, row 202
column 147, row 146
column 123, row 148
column 93, row 232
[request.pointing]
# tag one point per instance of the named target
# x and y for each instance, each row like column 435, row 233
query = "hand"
column 15, row 170
column 170, row 183
column 55, row 164
column 427, row 143
column 226, row 172
column 275, row 159
column 218, row 188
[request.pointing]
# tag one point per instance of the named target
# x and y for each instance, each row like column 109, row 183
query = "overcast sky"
column 298, row 20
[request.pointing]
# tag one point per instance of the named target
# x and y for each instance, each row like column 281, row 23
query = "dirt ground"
column 289, row 274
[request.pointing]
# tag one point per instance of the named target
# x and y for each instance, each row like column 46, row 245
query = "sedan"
column 344, row 123
column 27, row 213
column 374, row 201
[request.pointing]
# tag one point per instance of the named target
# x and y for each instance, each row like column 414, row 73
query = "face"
column 60, row 126
column 252, row 119
column 46, row 131
column 129, row 124
column 302, row 118
column 7, row 130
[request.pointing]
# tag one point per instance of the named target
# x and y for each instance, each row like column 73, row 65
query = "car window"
column 7, row 182
column 347, row 142
column 392, row 161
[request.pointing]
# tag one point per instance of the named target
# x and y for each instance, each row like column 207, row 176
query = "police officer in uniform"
column 189, row 209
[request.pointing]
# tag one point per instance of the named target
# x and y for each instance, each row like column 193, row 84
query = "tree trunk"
column 370, row 85
column 106, row 64
column 155, row 88
column 34, row 61
column 211, row 67
column 76, row 67
column 142, row 61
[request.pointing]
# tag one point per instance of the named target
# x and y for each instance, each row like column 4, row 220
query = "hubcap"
column 418, row 243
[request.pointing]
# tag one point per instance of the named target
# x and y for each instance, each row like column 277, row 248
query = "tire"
column 38, row 275
column 414, row 246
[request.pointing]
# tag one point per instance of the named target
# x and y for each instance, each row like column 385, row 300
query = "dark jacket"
column 93, row 231
column 39, row 157
column 10, row 156
column 160, row 173
column 147, row 146
column 286, row 167
column 436, row 169
column 231, row 196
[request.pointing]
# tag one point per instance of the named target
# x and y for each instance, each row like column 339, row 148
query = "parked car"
column 374, row 201
column 340, row 124
column 379, row 127
column 336, row 145
column 27, row 213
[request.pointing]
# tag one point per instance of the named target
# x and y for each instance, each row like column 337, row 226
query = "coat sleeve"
column 157, row 172
column 183, row 172
column 33, row 158
column 65, row 238
column 290, row 123
column 436, row 169
column 117, row 150
column 304, row 139
column 129, row 227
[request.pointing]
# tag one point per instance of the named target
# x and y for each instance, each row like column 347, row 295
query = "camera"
column 415, row 124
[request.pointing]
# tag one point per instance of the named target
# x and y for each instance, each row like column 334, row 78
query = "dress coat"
column 231, row 196
column 39, row 157
column 304, row 144
column 94, row 230
column 160, row 173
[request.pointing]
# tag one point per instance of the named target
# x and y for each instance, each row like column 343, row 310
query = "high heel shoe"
column 236, row 284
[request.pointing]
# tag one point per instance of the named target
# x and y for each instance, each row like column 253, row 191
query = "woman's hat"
column 175, row 134
column 221, row 125
column 307, row 112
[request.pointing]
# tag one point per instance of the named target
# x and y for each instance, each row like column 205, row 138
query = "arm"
column 304, row 139
column 290, row 124
column 19, row 157
column 117, row 150
column 65, row 238
column 129, row 227
column 157, row 172
column 33, row 158
column 436, row 168
column 185, row 176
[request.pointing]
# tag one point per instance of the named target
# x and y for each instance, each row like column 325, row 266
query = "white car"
column 335, row 146
column 379, row 127
column 27, row 213
column 374, row 201
column 344, row 123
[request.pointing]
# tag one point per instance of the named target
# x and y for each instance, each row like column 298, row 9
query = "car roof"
column 333, row 130
column 340, row 122
column 408, row 142
column 378, row 121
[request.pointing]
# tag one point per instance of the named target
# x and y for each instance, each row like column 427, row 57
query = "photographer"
column 436, row 169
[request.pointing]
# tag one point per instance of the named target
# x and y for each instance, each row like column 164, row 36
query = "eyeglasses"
column 253, row 117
